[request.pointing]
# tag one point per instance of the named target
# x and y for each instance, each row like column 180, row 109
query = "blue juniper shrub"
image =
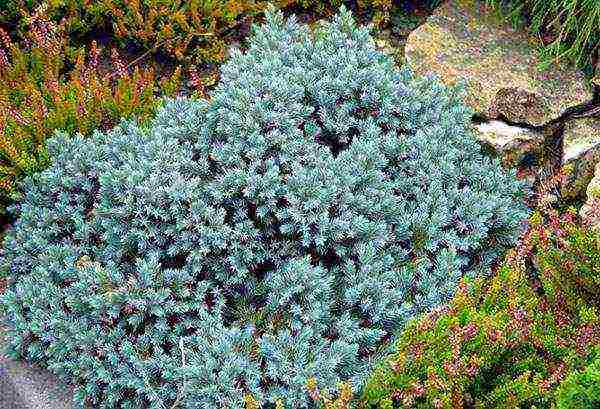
column 284, row 230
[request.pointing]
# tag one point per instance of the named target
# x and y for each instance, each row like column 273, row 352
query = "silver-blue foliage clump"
column 284, row 230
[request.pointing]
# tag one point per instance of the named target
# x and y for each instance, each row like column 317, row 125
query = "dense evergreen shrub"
column 504, row 343
column 280, row 233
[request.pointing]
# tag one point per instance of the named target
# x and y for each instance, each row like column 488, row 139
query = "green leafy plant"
column 504, row 343
column 571, row 263
column 581, row 389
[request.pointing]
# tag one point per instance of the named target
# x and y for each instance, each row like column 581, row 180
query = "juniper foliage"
column 284, row 230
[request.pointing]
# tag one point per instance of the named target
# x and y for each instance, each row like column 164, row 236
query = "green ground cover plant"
column 275, row 235
column 581, row 389
column 509, row 342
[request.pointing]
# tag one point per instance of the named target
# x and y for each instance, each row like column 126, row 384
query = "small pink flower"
column 450, row 368
column 545, row 385
column 434, row 381
column 42, row 109
column 470, row 331
column 5, row 39
column 195, row 78
column 494, row 334
column 586, row 335
column 119, row 66
column 418, row 389
column 94, row 55
column 424, row 325
column 314, row 393
column 397, row 395
column 52, row 85
column 16, row 115
column 473, row 368
column 559, row 373
column 3, row 58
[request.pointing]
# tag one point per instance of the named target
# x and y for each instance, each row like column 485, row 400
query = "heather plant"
column 189, row 31
column 37, row 97
column 571, row 261
column 379, row 12
column 509, row 342
column 275, row 237
column 581, row 389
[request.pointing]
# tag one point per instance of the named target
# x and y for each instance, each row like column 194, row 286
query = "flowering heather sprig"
column 3, row 59
column 94, row 55
column 590, row 213
column 5, row 39
column 469, row 331
column 120, row 69
column 16, row 115
column 197, row 82
column 44, row 33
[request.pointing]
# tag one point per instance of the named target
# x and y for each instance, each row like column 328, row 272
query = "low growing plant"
column 570, row 261
column 581, row 389
column 43, row 90
column 506, row 343
column 191, row 31
column 281, row 232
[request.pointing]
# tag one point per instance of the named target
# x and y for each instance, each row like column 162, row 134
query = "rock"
column 516, row 146
column 578, row 166
column 462, row 40
column 590, row 211
column 519, row 106
column 510, row 143
column 23, row 386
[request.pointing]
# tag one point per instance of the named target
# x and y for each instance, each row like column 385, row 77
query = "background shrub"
column 281, row 232
column 37, row 97
column 506, row 343
column 188, row 30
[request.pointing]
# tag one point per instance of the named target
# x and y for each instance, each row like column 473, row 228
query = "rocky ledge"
column 464, row 41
